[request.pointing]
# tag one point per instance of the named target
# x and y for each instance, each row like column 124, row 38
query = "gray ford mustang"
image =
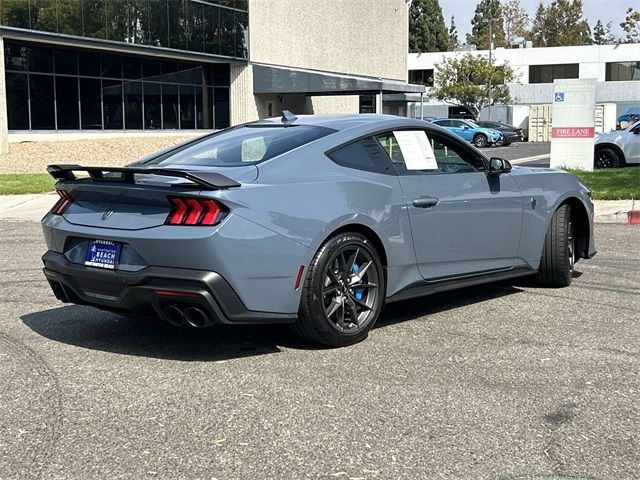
column 316, row 221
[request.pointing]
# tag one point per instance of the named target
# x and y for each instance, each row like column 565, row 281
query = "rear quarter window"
column 365, row 154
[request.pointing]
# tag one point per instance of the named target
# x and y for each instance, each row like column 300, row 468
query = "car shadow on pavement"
column 90, row 328
column 428, row 305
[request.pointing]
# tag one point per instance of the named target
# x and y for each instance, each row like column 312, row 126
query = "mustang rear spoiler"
column 206, row 180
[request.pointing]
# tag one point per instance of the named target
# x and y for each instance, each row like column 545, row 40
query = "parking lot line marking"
column 517, row 161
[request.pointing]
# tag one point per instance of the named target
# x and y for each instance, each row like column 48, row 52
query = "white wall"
column 592, row 58
column 360, row 37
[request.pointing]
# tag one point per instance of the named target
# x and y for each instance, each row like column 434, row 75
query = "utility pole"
column 490, row 60
column 489, row 92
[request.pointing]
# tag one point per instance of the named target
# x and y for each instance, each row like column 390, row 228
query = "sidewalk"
column 32, row 207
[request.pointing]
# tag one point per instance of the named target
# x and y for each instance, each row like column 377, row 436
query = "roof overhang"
column 271, row 79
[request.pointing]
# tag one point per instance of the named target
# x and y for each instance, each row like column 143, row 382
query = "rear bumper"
column 136, row 292
column 512, row 137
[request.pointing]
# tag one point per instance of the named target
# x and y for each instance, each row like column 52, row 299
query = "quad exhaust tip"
column 173, row 315
column 194, row 316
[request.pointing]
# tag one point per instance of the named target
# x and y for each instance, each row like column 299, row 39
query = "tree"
column 487, row 11
column 453, row 35
column 602, row 34
column 631, row 26
column 561, row 24
column 537, row 33
column 598, row 33
column 516, row 21
column 465, row 79
column 427, row 31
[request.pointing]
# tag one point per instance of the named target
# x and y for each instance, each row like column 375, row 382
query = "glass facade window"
column 67, row 89
column 622, row 71
column 218, row 27
column 18, row 101
column 421, row 77
column 549, row 73
column 41, row 101
column 67, row 111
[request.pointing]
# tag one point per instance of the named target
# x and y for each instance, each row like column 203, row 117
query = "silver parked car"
column 618, row 147
column 315, row 221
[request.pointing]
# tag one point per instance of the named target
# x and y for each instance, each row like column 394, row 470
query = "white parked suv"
column 618, row 148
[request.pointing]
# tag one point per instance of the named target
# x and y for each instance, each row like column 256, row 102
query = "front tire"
column 558, row 252
column 606, row 158
column 343, row 292
column 480, row 140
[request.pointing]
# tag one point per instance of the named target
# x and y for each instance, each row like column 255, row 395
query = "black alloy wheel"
column 606, row 158
column 350, row 289
column 343, row 292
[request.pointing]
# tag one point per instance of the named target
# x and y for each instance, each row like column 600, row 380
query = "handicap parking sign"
column 559, row 97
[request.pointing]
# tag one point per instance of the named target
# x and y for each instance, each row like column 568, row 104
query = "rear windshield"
column 241, row 146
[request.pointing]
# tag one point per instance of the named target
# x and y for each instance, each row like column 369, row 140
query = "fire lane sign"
column 572, row 132
column 573, row 129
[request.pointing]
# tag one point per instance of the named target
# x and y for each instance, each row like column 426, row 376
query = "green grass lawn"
column 15, row 183
column 612, row 184
column 609, row 184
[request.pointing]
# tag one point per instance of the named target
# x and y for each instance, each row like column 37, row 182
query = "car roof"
column 336, row 122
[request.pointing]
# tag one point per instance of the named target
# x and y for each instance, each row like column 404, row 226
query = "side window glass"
column 451, row 156
column 364, row 154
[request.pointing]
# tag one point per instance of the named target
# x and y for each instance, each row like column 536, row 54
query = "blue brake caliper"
column 358, row 291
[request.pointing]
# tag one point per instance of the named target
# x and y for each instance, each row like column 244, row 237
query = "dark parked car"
column 509, row 133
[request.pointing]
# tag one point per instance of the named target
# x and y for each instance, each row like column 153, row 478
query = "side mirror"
column 499, row 165
column 636, row 131
column 465, row 127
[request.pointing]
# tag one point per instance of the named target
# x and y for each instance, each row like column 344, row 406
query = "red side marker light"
column 299, row 277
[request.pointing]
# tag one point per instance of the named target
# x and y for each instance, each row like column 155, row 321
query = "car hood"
column 489, row 132
column 615, row 136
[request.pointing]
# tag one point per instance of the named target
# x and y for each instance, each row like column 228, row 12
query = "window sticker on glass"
column 416, row 150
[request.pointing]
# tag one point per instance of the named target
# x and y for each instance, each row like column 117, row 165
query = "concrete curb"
column 32, row 207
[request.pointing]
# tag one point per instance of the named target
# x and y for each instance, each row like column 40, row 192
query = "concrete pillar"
column 4, row 138
column 379, row 103
column 242, row 103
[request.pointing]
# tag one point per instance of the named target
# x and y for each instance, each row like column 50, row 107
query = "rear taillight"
column 63, row 203
column 194, row 211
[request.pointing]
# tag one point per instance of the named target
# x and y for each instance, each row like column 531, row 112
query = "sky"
column 594, row 10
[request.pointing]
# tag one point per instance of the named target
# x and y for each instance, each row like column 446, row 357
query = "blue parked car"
column 470, row 131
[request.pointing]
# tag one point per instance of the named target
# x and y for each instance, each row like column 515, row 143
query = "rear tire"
column 558, row 252
column 606, row 158
column 333, row 310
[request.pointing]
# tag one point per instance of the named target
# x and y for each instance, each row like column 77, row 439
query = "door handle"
column 425, row 202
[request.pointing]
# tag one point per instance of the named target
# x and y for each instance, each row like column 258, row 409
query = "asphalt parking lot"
column 503, row 381
column 523, row 150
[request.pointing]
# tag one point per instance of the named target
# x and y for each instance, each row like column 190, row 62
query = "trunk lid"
column 139, row 204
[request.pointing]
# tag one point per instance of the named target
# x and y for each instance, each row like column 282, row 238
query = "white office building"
column 615, row 67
